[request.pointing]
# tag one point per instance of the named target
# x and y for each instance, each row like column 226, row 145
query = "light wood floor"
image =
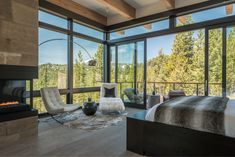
column 56, row 140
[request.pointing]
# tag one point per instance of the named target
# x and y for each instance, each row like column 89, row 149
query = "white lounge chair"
column 54, row 104
column 110, row 104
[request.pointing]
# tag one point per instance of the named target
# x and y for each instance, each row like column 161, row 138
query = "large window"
column 83, row 74
column 130, row 72
column 52, row 62
column 176, row 62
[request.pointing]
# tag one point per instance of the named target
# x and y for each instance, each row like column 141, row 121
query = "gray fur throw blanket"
column 203, row 113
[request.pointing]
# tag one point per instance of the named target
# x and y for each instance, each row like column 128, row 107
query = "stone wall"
column 14, row 130
column 19, row 32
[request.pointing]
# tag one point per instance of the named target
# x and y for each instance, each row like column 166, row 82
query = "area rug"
column 78, row 120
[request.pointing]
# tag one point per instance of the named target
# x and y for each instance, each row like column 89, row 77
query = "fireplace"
column 12, row 91
column 13, row 95
column 17, row 118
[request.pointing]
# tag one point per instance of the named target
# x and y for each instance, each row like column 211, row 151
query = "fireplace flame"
column 9, row 103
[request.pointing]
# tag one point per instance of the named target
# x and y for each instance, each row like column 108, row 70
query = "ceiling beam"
column 148, row 26
column 182, row 19
column 229, row 9
column 170, row 4
column 120, row 7
column 122, row 32
column 81, row 10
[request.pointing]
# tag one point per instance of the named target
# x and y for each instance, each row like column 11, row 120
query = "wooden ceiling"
column 101, row 10
column 121, row 8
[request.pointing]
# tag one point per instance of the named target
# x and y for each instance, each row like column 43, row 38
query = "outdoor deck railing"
column 194, row 88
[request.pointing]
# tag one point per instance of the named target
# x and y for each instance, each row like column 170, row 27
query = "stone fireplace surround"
column 18, row 61
column 16, row 126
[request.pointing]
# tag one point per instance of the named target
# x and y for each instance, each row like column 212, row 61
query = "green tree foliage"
column 230, row 70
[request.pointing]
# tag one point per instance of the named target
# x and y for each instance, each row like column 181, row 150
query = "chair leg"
column 67, row 113
column 56, row 120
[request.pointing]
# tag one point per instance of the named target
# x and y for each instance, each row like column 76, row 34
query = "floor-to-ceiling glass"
column 112, row 63
column 215, row 62
column 85, row 75
column 230, row 62
column 52, row 68
column 130, row 72
column 176, row 62
column 125, row 67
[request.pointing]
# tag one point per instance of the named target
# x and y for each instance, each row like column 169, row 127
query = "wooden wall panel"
column 19, row 32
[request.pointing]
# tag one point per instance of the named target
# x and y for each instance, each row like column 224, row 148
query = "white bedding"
column 229, row 119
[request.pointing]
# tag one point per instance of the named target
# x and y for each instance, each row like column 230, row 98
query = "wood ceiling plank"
column 81, row 10
column 121, row 32
column 182, row 19
column 148, row 26
column 170, row 4
column 121, row 7
column 229, row 9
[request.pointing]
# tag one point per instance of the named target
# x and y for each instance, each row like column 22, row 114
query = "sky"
column 56, row 51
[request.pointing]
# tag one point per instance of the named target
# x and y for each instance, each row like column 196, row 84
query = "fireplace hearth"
column 11, row 108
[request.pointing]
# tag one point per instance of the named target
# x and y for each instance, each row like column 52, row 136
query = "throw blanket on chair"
column 195, row 112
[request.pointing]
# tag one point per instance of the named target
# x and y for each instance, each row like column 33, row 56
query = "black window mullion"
column 70, row 64
column 116, row 63
column 206, row 61
column 135, row 66
column 106, row 60
column 145, row 72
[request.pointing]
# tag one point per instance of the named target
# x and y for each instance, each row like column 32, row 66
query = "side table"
column 153, row 100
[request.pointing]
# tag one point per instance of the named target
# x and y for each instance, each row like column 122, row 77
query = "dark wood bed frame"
column 153, row 138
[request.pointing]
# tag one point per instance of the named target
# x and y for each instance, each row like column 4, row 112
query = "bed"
column 147, row 136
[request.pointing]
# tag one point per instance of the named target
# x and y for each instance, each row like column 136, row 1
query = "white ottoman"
column 111, row 105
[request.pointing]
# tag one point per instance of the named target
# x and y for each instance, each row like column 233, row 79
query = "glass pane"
column 126, row 63
column 88, row 31
column 156, row 26
column 131, row 68
column 52, row 60
column 80, row 98
column 53, row 20
column 201, row 16
column 230, row 78
column 176, row 62
column 83, row 74
column 140, row 67
column 215, row 62
column 113, row 62
column 125, row 66
column 52, row 63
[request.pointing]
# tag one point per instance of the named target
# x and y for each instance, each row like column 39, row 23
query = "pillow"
column 109, row 92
